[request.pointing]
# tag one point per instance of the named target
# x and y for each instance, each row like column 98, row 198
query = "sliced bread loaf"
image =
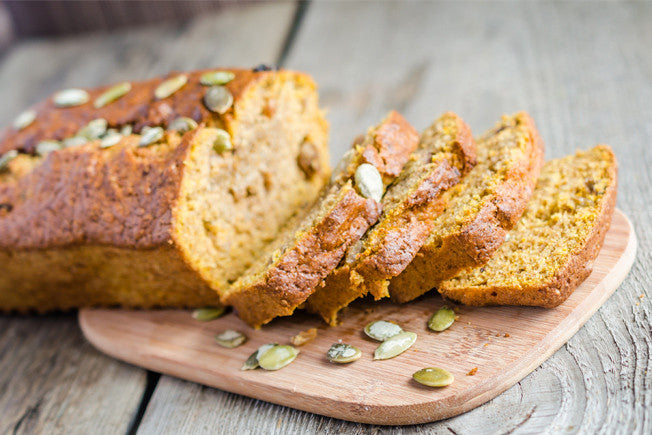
column 288, row 271
column 96, row 209
column 446, row 151
column 552, row 248
column 480, row 210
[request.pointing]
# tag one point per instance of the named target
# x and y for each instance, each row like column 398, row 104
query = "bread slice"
column 160, row 225
column 480, row 210
column 311, row 246
column 445, row 153
column 552, row 249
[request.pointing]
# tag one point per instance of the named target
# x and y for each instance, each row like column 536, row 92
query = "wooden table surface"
column 584, row 72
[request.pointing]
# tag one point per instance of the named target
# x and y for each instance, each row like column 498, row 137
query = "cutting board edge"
column 403, row 414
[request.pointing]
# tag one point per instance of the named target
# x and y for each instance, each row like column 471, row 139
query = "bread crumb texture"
column 553, row 246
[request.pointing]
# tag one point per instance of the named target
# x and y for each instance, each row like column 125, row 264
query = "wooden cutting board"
column 503, row 343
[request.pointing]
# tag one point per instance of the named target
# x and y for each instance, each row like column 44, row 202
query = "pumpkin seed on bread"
column 445, row 153
column 87, row 221
column 480, row 209
column 552, row 249
column 311, row 245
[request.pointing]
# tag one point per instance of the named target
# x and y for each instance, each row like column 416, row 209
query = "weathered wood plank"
column 51, row 380
column 583, row 71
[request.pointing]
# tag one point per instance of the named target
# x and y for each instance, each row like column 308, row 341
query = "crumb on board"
column 486, row 344
column 506, row 334
column 472, row 372
column 498, row 334
column 304, row 337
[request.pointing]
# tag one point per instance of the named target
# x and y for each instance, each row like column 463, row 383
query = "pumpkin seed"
column 24, row 119
column 214, row 78
column 395, row 345
column 442, row 319
column 183, row 124
column 206, row 314
column 369, row 182
column 222, row 141
column 381, row 330
column 343, row 353
column 277, row 357
column 433, row 377
column 230, row 338
column 127, row 130
column 170, row 86
column 112, row 94
column 94, row 129
column 218, row 99
column 47, row 146
column 304, row 337
column 74, row 141
column 70, row 97
column 110, row 139
column 150, row 136
column 252, row 361
column 6, row 158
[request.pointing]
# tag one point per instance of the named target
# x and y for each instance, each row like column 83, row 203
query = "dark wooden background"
column 584, row 72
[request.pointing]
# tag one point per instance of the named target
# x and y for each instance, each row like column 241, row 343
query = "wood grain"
column 504, row 344
column 51, row 379
column 582, row 70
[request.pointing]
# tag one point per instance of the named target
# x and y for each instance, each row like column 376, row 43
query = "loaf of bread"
column 445, row 153
column 552, row 249
column 480, row 210
column 289, row 270
column 156, row 193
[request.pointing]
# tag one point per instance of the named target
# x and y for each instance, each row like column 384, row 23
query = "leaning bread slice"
column 552, row 249
column 480, row 210
column 446, row 152
column 312, row 245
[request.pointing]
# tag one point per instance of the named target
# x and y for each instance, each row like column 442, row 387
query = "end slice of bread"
column 446, row 152
column 552, row 249
column 480, row 210
column 312, row 244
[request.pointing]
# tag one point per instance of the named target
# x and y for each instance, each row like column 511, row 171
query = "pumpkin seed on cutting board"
column 395, row 345
column 207, row 314
column 252, row 362
column 230, row 338
column 277, row 357
column 433, row 377
column 442, row 319
column 343, row 353
column 381, row 330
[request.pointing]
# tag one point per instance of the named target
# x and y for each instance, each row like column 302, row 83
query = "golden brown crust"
column 138, row 107
column 86, row 226
column 304, row 266
column 564, row 282
column 404, row 234
column 478, row 239
column 290, row 281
